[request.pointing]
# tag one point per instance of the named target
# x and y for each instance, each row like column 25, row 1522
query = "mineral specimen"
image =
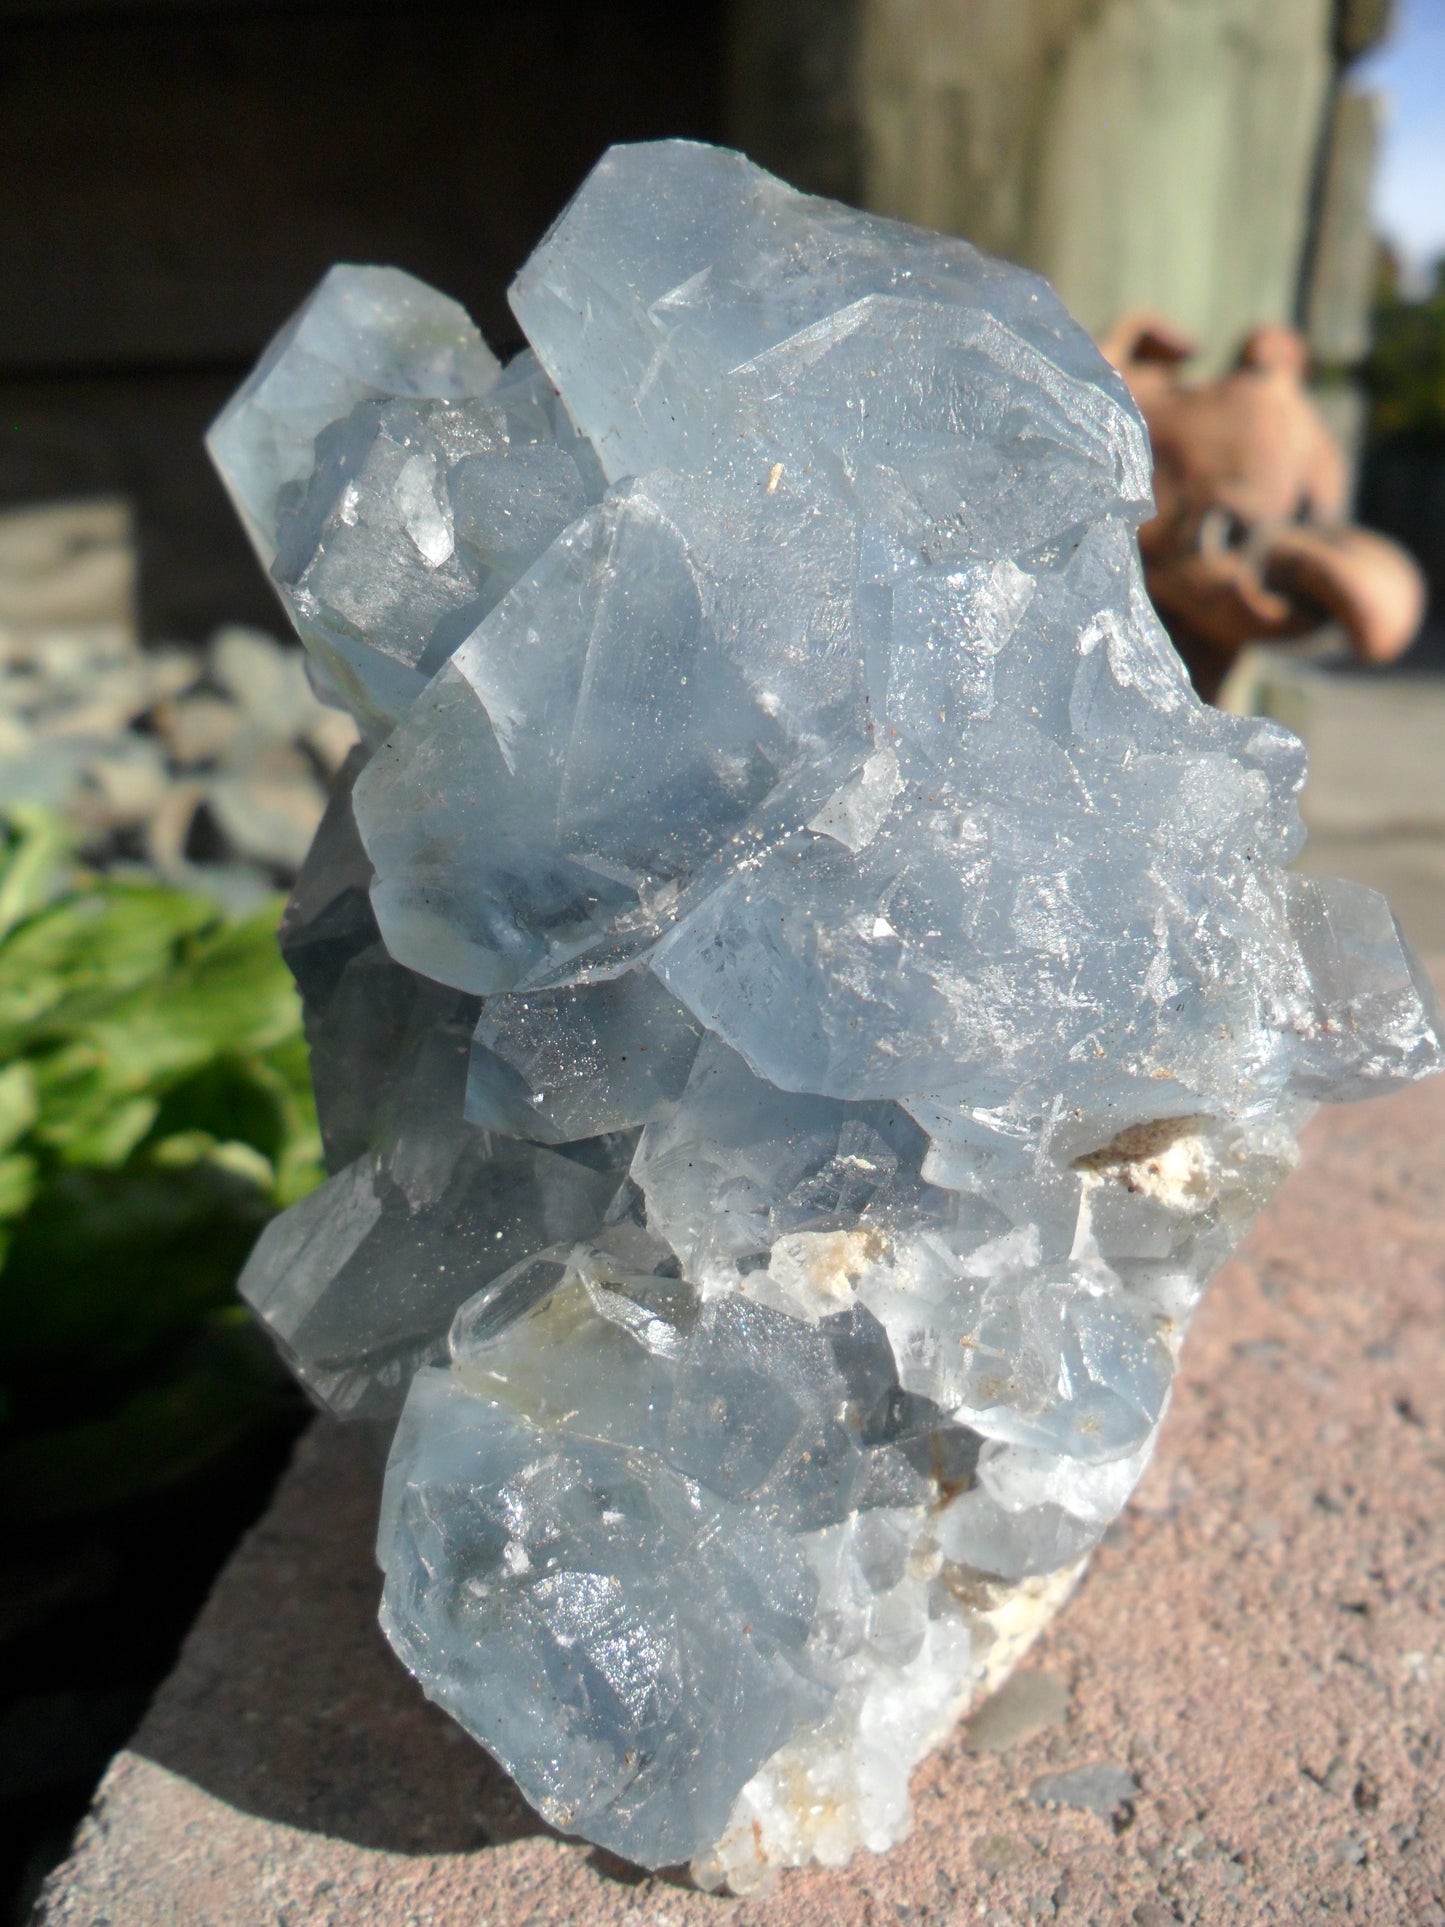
column 802, row 994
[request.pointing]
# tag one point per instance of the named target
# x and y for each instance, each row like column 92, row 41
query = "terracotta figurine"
column 1251, row 540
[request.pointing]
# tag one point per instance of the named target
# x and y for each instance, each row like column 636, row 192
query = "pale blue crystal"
column 586, row 1611
column 802, row 995
column 366, row 334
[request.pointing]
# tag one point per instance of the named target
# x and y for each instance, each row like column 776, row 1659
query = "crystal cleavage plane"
column 801, row 993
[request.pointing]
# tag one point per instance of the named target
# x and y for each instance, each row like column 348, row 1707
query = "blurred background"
column 175, row 175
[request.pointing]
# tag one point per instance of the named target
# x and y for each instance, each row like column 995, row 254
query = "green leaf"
column 17, row 1184
column 232, row 1155
column 75, row 959
column 19, row 1102
column 106, row 1131
column 156, row 1108
column 227, row 1097
column 90, row 1112
column 230, row 993
column 34, row 844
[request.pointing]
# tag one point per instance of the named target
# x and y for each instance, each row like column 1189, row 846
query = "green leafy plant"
column 155, row 1110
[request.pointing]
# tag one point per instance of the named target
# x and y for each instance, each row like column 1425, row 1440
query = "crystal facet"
column 802, row 995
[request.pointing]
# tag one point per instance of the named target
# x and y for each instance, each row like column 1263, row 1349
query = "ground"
column 1259, row 1647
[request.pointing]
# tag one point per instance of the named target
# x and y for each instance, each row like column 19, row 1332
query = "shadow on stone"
column 624, row 1873
column 287, row 1703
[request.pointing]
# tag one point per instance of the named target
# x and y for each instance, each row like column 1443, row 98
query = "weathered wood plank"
column 1342, row 268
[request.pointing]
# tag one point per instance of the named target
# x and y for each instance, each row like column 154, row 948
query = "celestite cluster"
column 801, row 993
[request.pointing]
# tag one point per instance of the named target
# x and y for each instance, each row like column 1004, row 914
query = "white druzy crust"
column 802, row 995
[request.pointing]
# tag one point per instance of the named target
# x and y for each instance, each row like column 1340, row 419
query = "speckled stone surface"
column 1259, row 1647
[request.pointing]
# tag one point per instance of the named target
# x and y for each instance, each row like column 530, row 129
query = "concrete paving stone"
column 1375, row 800
column 1376, row 748
column 1259, row 1645
column 1408, row 866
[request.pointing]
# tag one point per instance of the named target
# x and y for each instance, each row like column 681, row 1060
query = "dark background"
column 174, row 178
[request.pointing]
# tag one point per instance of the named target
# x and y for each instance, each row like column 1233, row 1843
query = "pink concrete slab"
column 1260, row 1642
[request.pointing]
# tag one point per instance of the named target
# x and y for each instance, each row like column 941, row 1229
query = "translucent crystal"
column 366, row 334
column 802, row 996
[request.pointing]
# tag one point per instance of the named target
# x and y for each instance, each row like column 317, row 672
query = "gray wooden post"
column 1183, row 155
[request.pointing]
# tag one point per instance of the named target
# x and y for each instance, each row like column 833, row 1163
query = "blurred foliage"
column 1406, row 370
column 155, row 1111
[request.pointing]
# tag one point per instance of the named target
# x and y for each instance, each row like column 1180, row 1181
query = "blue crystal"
column 802, row 995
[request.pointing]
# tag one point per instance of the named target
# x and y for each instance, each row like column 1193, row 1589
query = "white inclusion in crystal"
column 425, row 513
column 802, row 996
column 843, row 1783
